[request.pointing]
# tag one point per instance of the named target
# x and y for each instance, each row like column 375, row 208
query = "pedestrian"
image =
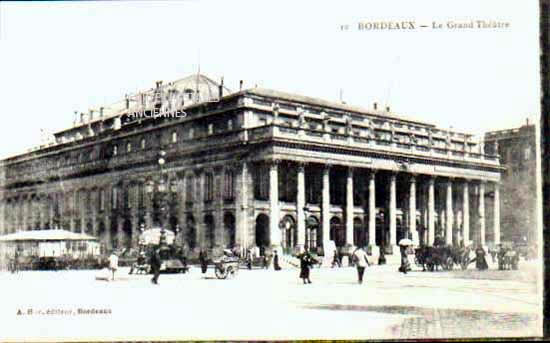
column 265, row 261
column 336, row 259
column 305, row 263
column 249, row 259
column 276, row 265
column 361, row 261
column 481, row 262
column 155, row 265
column 405, row 264
column 382, row 257
column 113, row 264
column 203, row 258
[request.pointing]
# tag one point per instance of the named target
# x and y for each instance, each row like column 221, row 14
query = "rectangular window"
column 126, row 194
column 208, row 187
column 228, row 184
column 261, row 182
column 141, row 195
column 189, row 191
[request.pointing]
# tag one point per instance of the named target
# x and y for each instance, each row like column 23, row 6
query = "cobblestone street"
column 261, row 304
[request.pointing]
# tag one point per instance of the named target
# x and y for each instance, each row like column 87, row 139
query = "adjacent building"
column 518, row 201
column 254, row 167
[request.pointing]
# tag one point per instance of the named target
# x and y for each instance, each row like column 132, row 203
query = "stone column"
column 372, row 209
column 431, row 211
column 241, row 221
column 496, row 223
column 300, row 204
column 325, row 206
column 349, row 207
column 466, row 213
column 449, row 212
column 482, row 213
column 274, row 230
column 393, row 210
column 412, row 210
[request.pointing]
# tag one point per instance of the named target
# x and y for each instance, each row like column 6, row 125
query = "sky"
column 61, row 57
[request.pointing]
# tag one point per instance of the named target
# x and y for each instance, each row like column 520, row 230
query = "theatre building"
column 254, row 167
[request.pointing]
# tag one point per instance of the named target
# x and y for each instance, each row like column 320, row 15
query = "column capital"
column 412, row 177
column 301, row 165
column 326, row 167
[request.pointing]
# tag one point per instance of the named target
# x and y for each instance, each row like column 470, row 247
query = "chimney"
column 81, row 117
column 101, row 112
column 75, row 120
column 127, row 101
column 375, row 105
column 241, row 85
column 527, row 121
column 388, row 109
column 91, row 115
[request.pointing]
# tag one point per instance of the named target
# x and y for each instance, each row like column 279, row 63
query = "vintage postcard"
column 270, row 170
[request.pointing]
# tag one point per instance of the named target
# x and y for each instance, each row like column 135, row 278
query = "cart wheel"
column 230, row 272
column 430, row 267
column 221, row 273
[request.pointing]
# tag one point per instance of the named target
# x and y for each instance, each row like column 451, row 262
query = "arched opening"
column 101, row 232
column 229, row 238
column 113, row 234
column 337, row 232
column 313, row 234
column 190, row 232
column 127, row 234
column 288, row 233
column 359, row 233
column 262, row 232
column 210, row 231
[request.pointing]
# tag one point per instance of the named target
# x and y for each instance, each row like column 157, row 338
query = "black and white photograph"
column 271, row 170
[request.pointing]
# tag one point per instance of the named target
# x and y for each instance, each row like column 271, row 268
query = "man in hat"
column 155, row 265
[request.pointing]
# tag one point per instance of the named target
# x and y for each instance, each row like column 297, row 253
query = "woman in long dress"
column 305, row 263
column 481, row 262
column 203, row 258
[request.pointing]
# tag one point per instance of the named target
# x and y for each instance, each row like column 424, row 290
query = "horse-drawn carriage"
column 227, row 266
column 444, row 256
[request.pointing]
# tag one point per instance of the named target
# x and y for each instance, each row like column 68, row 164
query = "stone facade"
column 517, row 151
column 257, row 168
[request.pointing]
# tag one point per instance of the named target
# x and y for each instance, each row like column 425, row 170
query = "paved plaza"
column 262, row 304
